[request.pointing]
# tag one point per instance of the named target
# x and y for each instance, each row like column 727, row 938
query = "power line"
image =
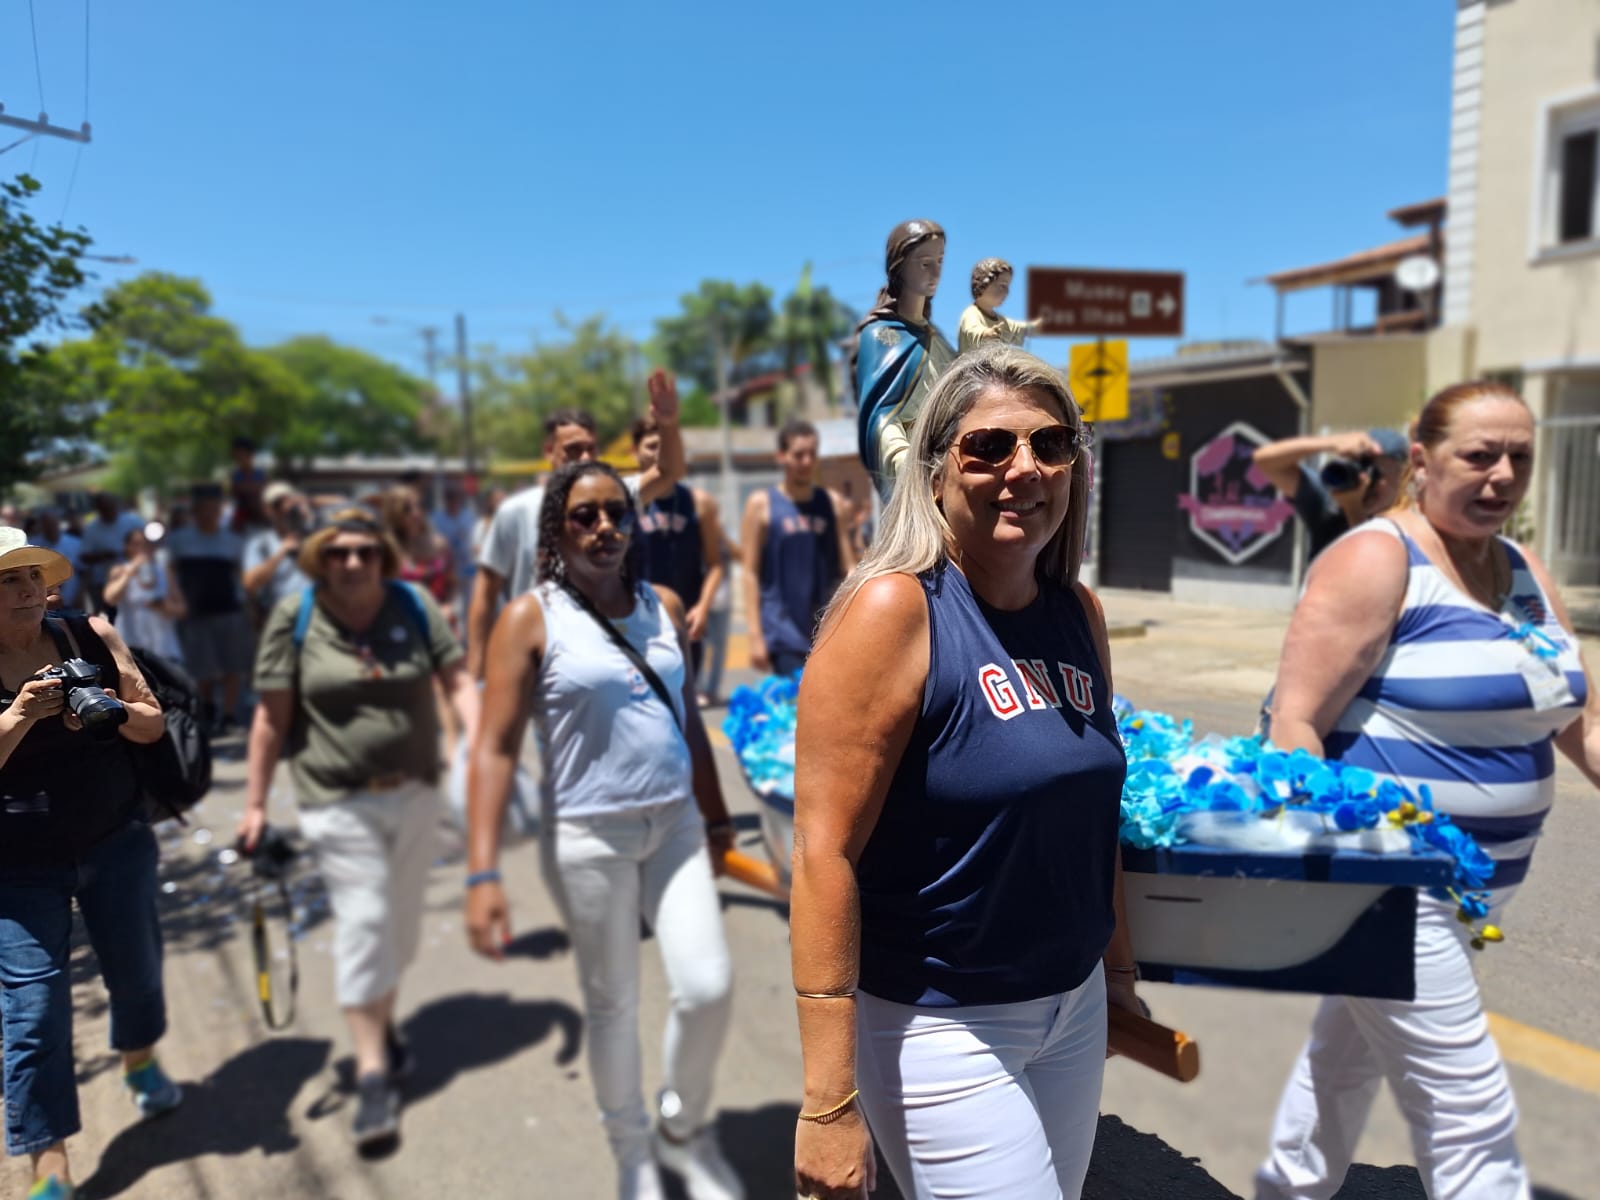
column 16, row 143
column 38, row 71
column 72, row 181
column 85, row 63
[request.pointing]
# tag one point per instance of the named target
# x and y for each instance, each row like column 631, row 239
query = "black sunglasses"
column 587, row 516
column 364, row 554
column 1051, row 446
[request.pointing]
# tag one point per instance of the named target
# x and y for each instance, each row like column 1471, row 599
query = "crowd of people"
column 957, row 930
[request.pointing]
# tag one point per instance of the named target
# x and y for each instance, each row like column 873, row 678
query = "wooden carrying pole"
column 752, row 872
column 1168, row 1051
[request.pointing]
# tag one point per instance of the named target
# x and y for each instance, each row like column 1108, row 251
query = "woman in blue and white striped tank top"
column 1431, row 650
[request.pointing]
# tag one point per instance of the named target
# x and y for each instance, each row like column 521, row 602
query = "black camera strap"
column 262, row 950
column 61, row 633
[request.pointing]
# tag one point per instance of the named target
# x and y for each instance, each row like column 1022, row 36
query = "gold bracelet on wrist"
column 829, row 1115
column 850, row 995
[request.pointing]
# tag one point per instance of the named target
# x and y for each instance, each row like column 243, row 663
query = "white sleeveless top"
column 139, row 624
column 607, row 740
column 1449, row 705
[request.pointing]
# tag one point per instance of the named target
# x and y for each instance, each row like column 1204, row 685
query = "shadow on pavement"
column 539, row 944
column 240, row 1108
column 1403, row 1183
column 457, row 1034
column 744, row 899
column 1130, row 1165
column 1127, row 1164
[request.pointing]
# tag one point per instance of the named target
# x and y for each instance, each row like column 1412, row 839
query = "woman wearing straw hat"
column 345, row 674
column 70, row 830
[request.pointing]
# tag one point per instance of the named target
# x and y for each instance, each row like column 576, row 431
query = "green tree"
column 594, row 367
column 721, row 318
column 175, row 384
column 810, row 325
column 353, row 403
column 40, row 266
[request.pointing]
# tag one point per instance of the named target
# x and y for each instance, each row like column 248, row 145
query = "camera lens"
column 1340, row 475
column 100, row 714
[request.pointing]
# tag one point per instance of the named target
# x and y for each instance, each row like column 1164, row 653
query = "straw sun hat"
column 15, row 552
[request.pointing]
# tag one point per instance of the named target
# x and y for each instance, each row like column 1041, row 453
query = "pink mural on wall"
column 1232, row 506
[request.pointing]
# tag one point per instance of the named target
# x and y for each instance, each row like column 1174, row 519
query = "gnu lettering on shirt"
column 660, row 522
column 1038, row 687
column 803, row 524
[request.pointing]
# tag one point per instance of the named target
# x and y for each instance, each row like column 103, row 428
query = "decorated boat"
column 1245, row 865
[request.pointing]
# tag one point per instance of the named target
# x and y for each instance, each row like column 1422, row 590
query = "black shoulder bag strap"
column 628, row 648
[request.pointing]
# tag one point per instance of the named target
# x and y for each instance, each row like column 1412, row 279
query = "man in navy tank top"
column 796, row 550
column 680, row 541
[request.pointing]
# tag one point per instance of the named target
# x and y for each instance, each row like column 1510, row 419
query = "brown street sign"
column 1078, row 303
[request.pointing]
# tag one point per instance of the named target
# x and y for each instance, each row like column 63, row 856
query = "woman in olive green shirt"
column 346, row 693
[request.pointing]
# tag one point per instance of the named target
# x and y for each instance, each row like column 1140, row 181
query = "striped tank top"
column 1448, row 705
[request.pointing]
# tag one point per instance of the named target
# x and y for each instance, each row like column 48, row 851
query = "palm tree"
column 810, row 324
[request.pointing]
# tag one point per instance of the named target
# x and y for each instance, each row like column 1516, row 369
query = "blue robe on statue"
column 890, row 358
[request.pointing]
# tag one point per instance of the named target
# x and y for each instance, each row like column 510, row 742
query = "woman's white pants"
column 606, row 871
column 988, row 1101
column 1442, row 1066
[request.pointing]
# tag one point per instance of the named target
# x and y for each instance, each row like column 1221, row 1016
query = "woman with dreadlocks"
column 633, row 814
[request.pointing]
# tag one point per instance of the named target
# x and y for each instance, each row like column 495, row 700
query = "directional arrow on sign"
column 1166, row 304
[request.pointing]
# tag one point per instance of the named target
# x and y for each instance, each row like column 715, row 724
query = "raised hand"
column 663, row 390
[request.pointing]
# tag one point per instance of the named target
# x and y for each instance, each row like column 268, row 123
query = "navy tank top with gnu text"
column 988, row 878
column 800, row 568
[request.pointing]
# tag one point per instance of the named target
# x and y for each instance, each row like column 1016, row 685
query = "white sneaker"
column 706, row 1174
column 640, row 1182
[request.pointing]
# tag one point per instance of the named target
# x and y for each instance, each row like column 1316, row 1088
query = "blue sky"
column 321, row 164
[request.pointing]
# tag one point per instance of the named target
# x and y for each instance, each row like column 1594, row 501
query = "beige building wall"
column 1529, row 306
column 1366, row 383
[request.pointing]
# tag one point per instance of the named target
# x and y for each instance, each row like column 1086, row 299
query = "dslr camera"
column 299, row 520
column 272, row 856
column 86, row 699
column 1346, row 474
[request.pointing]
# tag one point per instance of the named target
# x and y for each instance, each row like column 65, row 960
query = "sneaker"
column 51, row 1188
column 153, row 1092
column 401, row 1061
column 640, row 1182
column 377, row 1111
column 706, row 1174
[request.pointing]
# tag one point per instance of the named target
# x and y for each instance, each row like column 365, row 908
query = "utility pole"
column 464, row 387
column 725, row 401
column 430, row 359
column 43, row 128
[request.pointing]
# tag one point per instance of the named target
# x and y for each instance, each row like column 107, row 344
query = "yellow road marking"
column 1571, row 1063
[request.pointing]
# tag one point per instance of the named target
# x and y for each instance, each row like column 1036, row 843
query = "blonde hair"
column 914, row 536
column 1433, row 423
column 392, row 508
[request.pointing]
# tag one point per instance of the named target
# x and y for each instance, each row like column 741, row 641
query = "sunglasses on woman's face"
column 587, row 516
column 338, row 554
column 1051, row 446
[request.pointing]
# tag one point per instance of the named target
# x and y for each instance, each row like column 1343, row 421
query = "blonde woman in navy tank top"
column 955, row 920
column 1432, row 651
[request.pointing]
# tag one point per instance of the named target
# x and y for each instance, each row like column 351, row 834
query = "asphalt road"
column 501, row 1104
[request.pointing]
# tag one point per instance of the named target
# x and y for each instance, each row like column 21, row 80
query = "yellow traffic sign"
column 1098, row 374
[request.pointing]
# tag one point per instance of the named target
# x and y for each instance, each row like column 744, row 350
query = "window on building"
column 1577, row 203
column 1568, row 213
